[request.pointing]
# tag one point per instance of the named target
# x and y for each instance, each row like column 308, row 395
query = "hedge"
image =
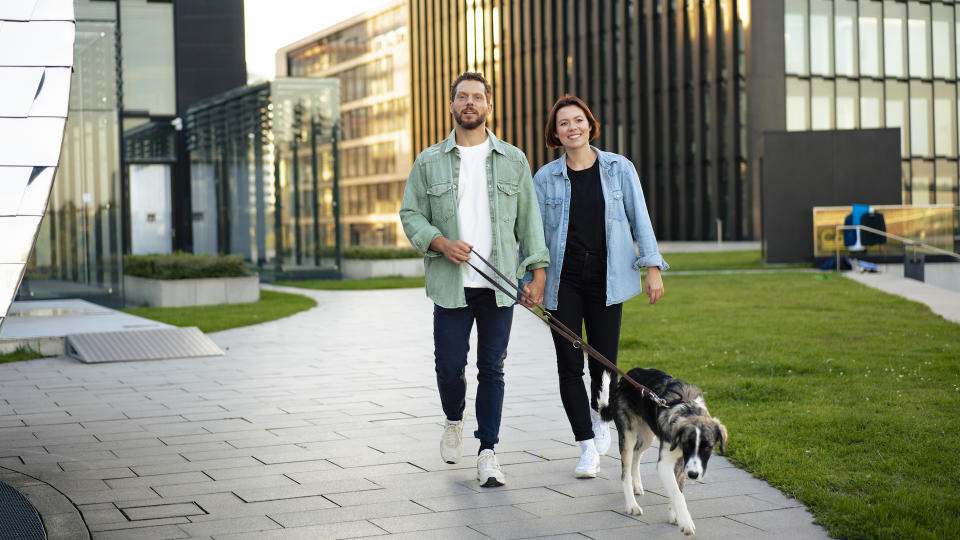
column 184, row 266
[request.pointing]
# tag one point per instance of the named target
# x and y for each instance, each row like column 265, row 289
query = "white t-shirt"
column 473, row 211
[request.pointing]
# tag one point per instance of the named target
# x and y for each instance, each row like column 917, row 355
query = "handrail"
column 906, row 241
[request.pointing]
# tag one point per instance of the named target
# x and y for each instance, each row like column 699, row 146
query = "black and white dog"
column 687, row 433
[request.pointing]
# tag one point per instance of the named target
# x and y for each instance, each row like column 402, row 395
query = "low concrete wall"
column 363, row 268
column 943, row 275
column 190, row 292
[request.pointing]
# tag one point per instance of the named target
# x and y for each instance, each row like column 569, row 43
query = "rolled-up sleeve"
column 636, row 207
column 415, row 213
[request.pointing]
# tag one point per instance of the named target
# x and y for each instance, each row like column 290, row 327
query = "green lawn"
column 841, row 396
column 21, row 353
column 272, row 305
column 390, row 282
column 722, row 260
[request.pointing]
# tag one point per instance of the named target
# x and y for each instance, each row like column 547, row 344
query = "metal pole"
column 316, row 191
column 277, row 211
column 338, row 237
column 836, row 243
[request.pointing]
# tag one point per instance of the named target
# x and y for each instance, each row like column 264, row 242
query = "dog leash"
column 547, row 317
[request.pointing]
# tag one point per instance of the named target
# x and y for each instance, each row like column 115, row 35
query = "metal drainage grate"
column 18, row 518
column 154, row 344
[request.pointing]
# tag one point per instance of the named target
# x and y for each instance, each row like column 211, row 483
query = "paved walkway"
column 943, row 302
column 326, row 425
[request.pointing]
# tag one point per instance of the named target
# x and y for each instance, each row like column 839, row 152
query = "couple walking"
column 576, row 236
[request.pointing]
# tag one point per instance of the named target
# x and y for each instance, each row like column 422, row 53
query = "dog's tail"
column 607, row 385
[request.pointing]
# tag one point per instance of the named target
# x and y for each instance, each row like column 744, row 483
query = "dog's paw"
column 637, row 488
column 672, row 515
column 635, row 510
column 687, row 528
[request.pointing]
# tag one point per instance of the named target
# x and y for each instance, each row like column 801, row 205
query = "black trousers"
column 581, row 303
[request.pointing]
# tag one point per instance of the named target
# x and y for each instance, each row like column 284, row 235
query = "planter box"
column 364, row 268
column 190, row 292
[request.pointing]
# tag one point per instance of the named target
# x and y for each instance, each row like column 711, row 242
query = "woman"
column 593, row 210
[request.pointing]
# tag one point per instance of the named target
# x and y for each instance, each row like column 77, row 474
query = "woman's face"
column 573, row 130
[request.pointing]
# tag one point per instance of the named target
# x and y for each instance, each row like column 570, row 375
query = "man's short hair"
column 471, row 76
column 550, row 133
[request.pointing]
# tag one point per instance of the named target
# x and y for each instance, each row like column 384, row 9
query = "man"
column 473, row 192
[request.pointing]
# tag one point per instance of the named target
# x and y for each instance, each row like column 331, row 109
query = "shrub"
column 360, row 252
column 184, row 266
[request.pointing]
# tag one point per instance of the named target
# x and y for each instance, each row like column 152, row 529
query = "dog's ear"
column 675, row 434
column 721, row 434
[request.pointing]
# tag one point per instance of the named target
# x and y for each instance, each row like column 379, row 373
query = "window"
column 871, row 53
column 921, row 111
column 945, row 188
column 847, row 105
column 821, row 105
column 896, row 113
column 821, row 37
column 943, row 42
column 894, row 38
column 845, row 32
column 921, row 182
column 944, row 119
column 919, row 40
column 795, row 36
column 798, row 98
column 871, row 104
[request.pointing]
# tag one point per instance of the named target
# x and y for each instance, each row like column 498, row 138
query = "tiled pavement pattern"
column 327, row 425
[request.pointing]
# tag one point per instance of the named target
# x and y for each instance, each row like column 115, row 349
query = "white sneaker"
column 488, row 470
column 589, row 460
column 451, row 443
column 601, row 432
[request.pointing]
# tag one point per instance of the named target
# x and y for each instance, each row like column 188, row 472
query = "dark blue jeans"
column 451, row 341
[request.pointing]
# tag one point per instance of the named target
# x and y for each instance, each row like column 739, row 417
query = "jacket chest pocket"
column 552, row 212
column 443, row 201
column 615, row 207
column 507, row 195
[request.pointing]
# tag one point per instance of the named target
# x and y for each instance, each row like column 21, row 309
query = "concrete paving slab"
column 326, row 425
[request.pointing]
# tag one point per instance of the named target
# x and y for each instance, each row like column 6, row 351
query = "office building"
column 123, row 185
column 665, row 79
column 687, row 88
column 369, row 55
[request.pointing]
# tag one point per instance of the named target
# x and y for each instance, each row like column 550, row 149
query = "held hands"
column 533, row 291
column 654, row 284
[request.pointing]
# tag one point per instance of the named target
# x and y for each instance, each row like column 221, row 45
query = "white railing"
column 907, row 242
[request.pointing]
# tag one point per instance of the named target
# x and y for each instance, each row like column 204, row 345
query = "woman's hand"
column 654, row 284
column 533, row 291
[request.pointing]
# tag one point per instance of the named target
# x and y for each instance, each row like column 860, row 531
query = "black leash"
column 541, row 313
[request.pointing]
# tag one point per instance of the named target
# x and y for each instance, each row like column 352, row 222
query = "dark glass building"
column 665, row 79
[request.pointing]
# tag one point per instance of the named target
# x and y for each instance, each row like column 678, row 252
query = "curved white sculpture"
column 36, row 59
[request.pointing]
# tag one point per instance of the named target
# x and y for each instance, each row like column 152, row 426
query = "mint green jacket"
column 429, row 210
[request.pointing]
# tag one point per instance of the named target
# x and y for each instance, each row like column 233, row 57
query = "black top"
column 586, row 231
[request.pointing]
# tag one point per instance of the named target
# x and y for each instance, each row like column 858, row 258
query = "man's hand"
column 456, row 251
column 533, row 291
column 654, row 284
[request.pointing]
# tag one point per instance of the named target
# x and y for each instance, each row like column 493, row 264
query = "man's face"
column 470, row 107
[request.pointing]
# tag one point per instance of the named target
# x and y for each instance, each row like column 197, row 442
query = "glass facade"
column 78, row 249
column 369, row 56
column 873, row 63
column 665, row 79
column 262, row 173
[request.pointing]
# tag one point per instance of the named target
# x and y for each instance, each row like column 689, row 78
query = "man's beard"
column 469, row 125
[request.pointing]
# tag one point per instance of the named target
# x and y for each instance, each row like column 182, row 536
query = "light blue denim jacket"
column 625, row 217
